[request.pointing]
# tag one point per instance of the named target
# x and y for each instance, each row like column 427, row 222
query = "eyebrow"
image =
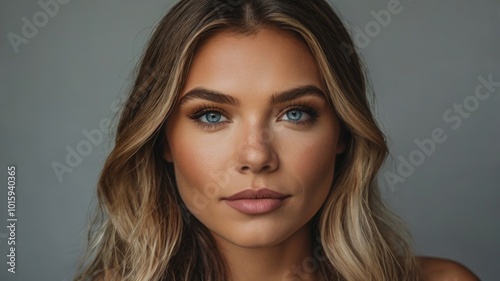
column 218, row 97
column 295, row 93
column 210, row 95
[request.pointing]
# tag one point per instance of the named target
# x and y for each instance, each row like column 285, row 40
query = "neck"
column 292, row 259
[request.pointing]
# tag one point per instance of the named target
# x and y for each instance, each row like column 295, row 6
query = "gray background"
column 426, row 59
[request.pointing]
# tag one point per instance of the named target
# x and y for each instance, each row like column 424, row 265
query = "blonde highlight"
column 142, row 232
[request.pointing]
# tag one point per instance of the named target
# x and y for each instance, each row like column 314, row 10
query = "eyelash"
column 306, row 108
column 202, row 110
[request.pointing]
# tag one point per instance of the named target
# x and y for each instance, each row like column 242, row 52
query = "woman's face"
column 253, row 116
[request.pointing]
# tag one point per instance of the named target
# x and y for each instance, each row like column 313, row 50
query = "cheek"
column 198, row 166
column 312, row 163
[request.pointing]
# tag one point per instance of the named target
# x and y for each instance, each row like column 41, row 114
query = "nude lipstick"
column 256, row 201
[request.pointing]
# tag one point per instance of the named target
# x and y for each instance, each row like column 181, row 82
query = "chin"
column 255, row 234
column 251, row 240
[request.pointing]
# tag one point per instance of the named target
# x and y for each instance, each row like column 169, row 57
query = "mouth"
column 256, row 201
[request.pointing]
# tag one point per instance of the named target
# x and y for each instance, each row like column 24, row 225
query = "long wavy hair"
column 142, row 231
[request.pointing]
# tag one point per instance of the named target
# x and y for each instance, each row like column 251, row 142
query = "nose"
column 256, row 154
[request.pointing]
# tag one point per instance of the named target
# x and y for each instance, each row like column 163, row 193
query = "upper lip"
column 262, row 193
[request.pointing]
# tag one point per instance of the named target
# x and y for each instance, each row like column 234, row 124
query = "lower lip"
column 255, row 206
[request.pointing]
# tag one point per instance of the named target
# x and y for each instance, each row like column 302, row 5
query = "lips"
column 262, row 193
column 256, row 201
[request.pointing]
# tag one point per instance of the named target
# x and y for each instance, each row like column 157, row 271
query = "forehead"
column 266, row 61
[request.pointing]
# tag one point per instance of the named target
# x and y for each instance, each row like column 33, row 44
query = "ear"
column 167, row 153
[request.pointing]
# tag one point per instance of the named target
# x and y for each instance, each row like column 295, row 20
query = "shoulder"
column 438, row 269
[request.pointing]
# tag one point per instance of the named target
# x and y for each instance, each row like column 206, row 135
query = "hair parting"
column 142, row 231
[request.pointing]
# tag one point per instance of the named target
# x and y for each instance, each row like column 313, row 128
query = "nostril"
column 257, row 159
column 266, row 168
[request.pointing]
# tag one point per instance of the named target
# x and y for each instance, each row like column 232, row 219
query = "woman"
column 247, row 151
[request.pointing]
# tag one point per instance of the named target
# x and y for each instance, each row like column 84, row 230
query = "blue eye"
column 294, row 115
column 212, row 117
column 297, row 116
column 300, row 115
column 208, row 117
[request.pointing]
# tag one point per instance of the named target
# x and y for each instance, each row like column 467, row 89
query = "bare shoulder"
column 439, row 269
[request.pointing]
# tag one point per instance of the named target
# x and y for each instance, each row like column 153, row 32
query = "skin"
column 438, row 269
column 434, row 269
column 254, row 144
